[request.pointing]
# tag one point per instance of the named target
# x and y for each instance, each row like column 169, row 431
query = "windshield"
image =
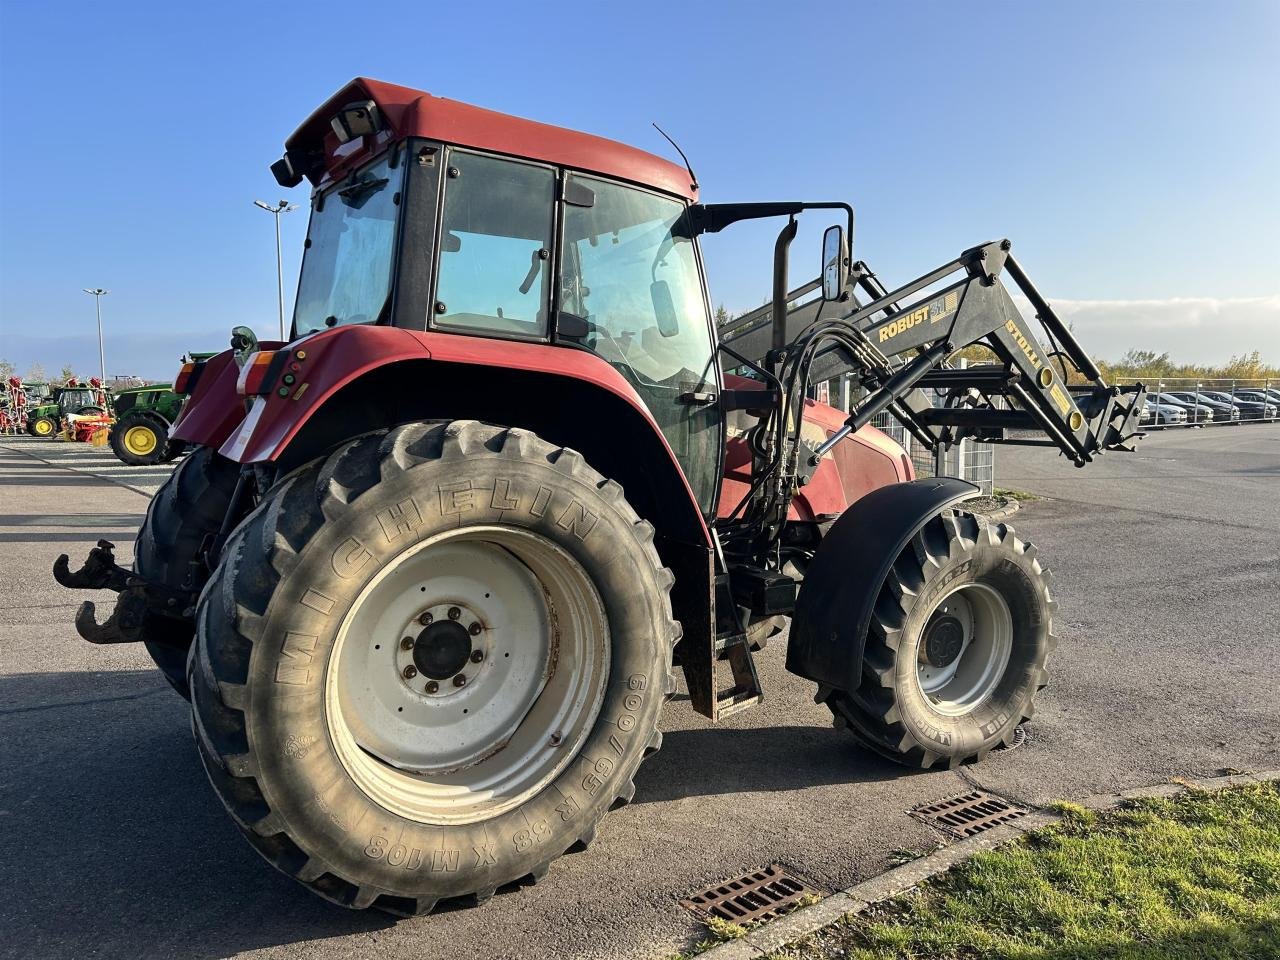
column 346, row 270
column 74, row 399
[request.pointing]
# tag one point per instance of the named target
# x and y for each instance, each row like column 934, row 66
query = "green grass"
column 1197, row 876
column 1019, row 495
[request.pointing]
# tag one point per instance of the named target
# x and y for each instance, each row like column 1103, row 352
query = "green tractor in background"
column 140, row 435
column 47, row 417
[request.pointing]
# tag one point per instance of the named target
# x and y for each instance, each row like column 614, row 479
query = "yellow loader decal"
column 933, row 312
column 1023, row 343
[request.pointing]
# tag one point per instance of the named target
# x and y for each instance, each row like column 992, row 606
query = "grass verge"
column 1022, row 496
column 1195, row 876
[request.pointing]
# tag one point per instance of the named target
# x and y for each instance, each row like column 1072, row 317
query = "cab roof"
column 414, row 113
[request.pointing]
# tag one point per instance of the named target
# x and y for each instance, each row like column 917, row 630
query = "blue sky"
column 1130, row 150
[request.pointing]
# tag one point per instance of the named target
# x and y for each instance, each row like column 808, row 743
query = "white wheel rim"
column 963, row 684
column 469, row 752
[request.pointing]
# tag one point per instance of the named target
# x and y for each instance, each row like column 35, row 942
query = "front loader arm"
column 900, row 340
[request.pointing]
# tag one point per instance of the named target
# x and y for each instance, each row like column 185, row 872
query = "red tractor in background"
column 429, row 567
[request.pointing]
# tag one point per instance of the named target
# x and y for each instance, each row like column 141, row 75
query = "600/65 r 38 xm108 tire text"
column 430, row 662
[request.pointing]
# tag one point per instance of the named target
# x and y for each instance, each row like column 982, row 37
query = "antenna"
column 692, row 176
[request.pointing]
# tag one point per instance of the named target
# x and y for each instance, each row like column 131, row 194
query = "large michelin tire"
column 439, row 547
column 189, row 506
column 956, row 650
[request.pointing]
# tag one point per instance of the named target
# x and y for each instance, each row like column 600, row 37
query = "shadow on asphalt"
column 62, row 536
column 114, row 844
column 718, row 760
column 103, row 762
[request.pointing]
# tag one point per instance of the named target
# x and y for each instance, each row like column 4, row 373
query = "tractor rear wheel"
column 957, row 645
column 190, row 505
column 139, row 439
column 429, row 663
column 43, row 427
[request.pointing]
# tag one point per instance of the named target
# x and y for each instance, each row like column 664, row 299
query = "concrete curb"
column 801, row 923
column 1010, row 507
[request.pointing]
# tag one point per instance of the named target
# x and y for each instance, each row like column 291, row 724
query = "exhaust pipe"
column 781, row 263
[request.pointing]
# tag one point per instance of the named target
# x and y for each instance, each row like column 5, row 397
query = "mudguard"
column 833, row 611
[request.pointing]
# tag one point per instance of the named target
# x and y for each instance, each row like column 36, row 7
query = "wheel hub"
column 442, row 649
column 443, row 646
column 964, row 649
column 943, row 641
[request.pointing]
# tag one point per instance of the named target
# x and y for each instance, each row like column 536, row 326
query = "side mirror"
column 664, row 309
column 835, row 263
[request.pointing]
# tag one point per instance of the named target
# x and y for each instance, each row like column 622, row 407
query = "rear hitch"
column 137, row 599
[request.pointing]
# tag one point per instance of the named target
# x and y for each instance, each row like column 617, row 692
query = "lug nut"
column 555, row 739
column 477, row 656
column 475, row 629
column 432, row 686
column 454, row 613
column 410, row 672
column 406, row 643
column 460, row 680
column 425, row 619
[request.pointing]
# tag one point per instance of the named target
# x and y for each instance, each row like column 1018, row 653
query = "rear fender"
column 214, row 410
column 833, row 611
column 350, row 380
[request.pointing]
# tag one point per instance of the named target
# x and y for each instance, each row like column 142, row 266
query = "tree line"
column 36, row 373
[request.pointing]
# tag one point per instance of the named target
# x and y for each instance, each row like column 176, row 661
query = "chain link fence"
column 968, row 460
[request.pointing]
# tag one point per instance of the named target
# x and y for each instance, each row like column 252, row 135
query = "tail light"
column 184, row 384
column 261, row 371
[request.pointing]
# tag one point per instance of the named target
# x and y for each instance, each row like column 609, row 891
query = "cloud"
column 1203, row 330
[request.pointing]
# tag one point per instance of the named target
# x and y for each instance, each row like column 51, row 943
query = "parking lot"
column 1166, row 570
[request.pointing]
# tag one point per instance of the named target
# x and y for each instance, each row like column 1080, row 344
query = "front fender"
column 833, row 611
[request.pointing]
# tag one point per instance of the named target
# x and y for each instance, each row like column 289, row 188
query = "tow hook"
column 137, row 597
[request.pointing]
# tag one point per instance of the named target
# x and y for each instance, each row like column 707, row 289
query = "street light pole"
column 98, row 293
column 281, row 207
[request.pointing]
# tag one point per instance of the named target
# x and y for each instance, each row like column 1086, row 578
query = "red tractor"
column 430, row 567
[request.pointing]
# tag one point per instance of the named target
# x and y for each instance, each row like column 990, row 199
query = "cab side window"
column 495, row 246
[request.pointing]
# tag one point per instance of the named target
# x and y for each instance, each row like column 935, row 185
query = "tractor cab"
column 577, row 242
column 73, row 400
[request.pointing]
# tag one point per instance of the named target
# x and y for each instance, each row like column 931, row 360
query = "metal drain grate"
column 969, row 813
column 1019, row 738
column 758, row 895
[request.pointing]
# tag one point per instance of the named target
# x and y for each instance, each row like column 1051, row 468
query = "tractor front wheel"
column 139, row 439
column 957, row 645
column 429, row 663
column 43, row 427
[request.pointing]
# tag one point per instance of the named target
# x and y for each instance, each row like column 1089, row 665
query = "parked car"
column 1270, row 394
column 1196, row 412
column 1163, row 414
column 1250, row 407
column 1222, row 410
column 1269, row 399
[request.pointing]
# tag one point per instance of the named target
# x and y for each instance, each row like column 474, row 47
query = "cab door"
column 631, row 292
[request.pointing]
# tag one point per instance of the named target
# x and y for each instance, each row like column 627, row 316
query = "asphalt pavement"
column 1167, row 574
